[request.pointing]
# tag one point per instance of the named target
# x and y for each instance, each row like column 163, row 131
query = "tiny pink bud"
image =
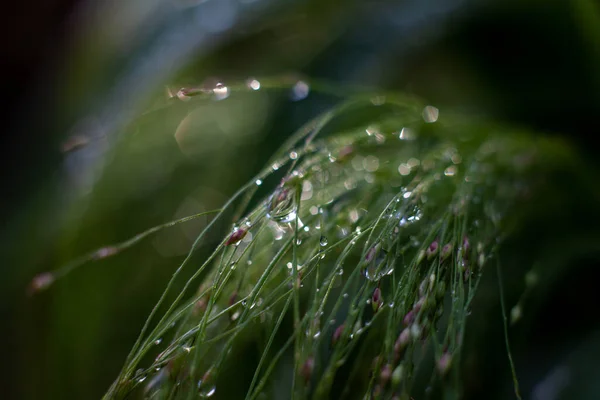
column 432, row 249
column 337, row 334
column 466, row 245
column 446, row 251
column 282, row 195
column 233, row 298
column 385, row 374
column 409, row 317
column 40, row 282
column 236, row 236
column 419, row 304
column 376, row 299
column 200, row 306
column 443, row 364
column 402, row 341
column 307, row 369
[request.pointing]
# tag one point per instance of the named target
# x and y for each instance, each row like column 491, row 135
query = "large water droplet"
column 323, row 241
column 378, row 268
column 282, row 206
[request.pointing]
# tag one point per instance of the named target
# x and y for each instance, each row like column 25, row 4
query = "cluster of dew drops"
column 281, row 211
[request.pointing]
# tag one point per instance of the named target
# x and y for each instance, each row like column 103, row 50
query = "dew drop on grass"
column 221, row 91
column 430, row 114
column 282, row 206
column 258, row 182
column 323, row 241
column 253, row 84
column 299, row 91
column 158, row 341
column 209, row 392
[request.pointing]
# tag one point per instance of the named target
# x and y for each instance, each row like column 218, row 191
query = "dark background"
column 85, row 69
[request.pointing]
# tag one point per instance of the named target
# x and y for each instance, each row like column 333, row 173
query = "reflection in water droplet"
column 307, row 190
column 293, row 155
column 323, row 241
column 258, row 182
column 158, row 341
column 282, row 206
column 378, row 268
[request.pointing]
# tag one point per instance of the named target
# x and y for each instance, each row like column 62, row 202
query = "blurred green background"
column 94, row 152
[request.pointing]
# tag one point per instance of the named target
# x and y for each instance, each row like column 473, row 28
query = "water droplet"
column 406, row 134
column 450, row 171
column 378, row 268
column 253, row 84
column 221, row 91
column 323, row 242
column 371, row 163
column 293, row 155
column 258, row 182
column 316, row 335
column 300, row 91
column 282, row 206
column 209, row 392
column 430, row 114
column 403, row 169
column 158, row 341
